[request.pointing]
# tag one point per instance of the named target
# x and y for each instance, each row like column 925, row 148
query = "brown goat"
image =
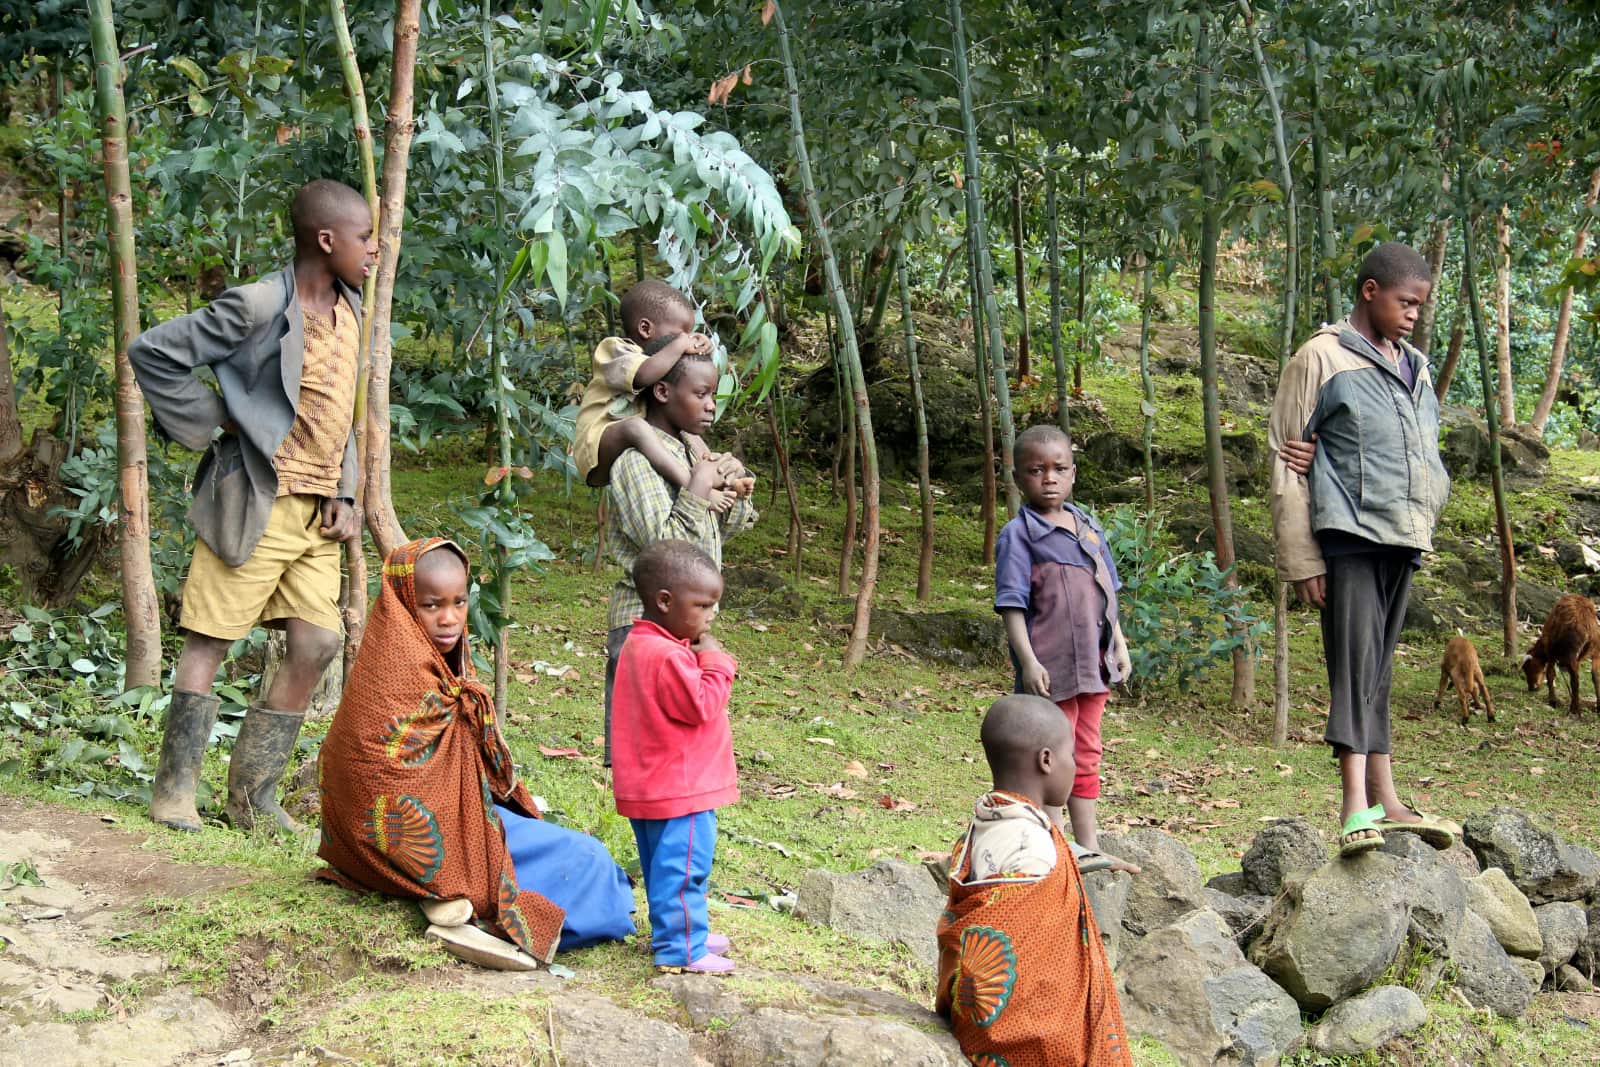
column 1461, row 668
column 1571, row 635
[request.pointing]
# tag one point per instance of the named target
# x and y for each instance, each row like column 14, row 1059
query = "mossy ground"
column 825, row 757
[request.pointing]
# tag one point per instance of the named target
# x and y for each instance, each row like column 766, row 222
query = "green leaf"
column 556, row 265
column 22, row 633
column 84, row 666
column 232, row 66
column 271, row 65
column 189, row 69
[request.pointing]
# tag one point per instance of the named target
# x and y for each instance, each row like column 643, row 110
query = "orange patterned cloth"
column 310, row 459
column 412, row 767
column 1023, row 977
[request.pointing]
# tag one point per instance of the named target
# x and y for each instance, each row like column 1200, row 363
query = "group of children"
column 1022, row 976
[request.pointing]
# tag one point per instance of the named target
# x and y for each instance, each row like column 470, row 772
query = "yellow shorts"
column 292, row 574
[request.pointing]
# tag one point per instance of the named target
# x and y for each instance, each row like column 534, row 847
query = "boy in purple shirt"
column 1056, row 589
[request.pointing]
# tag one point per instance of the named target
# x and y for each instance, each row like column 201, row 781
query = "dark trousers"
column 614, row 639
column 1366, row 606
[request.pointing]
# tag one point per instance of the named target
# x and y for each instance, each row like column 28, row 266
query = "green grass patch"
column 398, row 1023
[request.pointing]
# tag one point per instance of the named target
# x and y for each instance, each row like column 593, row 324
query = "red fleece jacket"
column 671, row 745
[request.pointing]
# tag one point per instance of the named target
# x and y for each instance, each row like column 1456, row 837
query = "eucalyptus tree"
column 139, row 605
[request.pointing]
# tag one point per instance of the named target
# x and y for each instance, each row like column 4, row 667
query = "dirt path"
column 70, row 880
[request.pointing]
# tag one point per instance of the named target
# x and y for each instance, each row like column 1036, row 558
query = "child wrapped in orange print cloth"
column 419, row 796
column 1023, row 977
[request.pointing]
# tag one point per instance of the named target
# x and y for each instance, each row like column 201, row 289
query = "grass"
column 824, row 756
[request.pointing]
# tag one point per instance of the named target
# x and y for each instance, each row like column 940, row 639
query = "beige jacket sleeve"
column 1299, row 556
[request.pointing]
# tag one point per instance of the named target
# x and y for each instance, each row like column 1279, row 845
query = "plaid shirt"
column 644, row 509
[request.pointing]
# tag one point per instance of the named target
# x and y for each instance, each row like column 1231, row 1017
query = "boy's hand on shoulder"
column 1299, row 454
column 1035, row 679
column 339, row 521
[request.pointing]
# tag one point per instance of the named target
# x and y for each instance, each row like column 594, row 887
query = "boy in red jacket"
column 672, row 748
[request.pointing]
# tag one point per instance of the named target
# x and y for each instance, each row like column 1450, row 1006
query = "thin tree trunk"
column 353, row 595
column 1558, row 346
column 1452, row 355
column 796, row 531
column 924, row 490
column 1024, row 361
column 1216, row 462
column 10, row 421
column 599, row 535
column 1502, row 520
column 1438, row 243
column 140, row 608
column 882, row 286
column 847, row 478
column 1058, row 356
column 856, row 652
column 1148, row 383
column 1083, row 279
column 980, row 367
column 979, row 228
column 497, row 358
column 382, row 522
column 1291, row 270
column 1319, row 155
column 1502, row 317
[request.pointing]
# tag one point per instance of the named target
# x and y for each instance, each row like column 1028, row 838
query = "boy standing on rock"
column 274, row 495
column 1352, row 532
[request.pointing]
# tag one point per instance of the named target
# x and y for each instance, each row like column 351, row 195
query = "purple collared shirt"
column 1067, row 589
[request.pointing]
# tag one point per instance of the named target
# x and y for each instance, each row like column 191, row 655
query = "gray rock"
column 1243, row 915
column 1232, row 883
column 1336, row 929
column 1168, row 885
column 961, row 638
column 1367, row 1021
column 889, row 901
column 594, row 1032
column 1438, row 899
column 1284, row 846
column 1189, row 986
column 1540, row 863
column 1485, row 975
column 1562, row 927
column 1532, row 971
column 777, row 1037
column 1507, row 911
column 1568, row 979
column 1108, row 899
column 1587, row 958
column 842, row 1024
column 171, row 1028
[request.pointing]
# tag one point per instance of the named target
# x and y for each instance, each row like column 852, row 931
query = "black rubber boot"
column 266, row 741
column 190, row 717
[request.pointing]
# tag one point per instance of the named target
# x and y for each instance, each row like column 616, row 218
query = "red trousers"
column 1084, row 712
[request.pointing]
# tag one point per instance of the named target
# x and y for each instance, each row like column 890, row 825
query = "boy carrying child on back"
column 1023, row 975
column 647, row 505
column 274, row 495
column 1056, row 588
column 659, row 322
column 674, row 748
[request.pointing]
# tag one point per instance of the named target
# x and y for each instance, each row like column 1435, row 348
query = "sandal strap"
column 1363, row 820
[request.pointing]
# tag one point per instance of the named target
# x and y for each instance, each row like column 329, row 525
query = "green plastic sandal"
column 1360, row 832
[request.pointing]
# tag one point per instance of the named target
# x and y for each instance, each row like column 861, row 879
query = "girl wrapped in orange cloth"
column 1023, row 977
column 420, row 799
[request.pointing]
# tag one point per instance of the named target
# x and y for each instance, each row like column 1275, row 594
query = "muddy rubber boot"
column 190, row 717
column 266, row 741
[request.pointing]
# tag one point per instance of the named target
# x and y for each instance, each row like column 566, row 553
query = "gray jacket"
column 1377, row 472
column 253, row 339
